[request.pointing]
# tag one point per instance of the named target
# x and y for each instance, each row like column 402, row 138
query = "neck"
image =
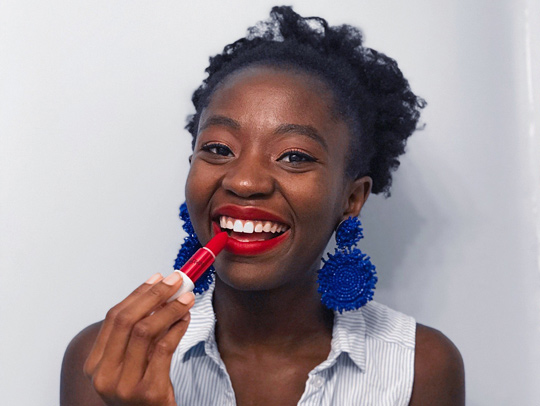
column 286, row 316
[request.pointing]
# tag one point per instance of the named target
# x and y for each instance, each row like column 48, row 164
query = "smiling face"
column 269, row 167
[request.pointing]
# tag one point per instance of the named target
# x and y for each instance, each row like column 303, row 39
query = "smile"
column 252, row 231
column 260, row 229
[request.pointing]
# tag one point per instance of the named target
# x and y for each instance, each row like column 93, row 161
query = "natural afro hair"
column 370, row 93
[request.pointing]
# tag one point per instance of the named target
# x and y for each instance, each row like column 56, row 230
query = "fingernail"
column 172, row 279
column 186, row 317
column 154, row 278
column 187, row 298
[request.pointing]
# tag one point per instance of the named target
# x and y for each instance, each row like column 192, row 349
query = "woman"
column 295, row 126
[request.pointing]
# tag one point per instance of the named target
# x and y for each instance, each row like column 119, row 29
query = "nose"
column 249, row 176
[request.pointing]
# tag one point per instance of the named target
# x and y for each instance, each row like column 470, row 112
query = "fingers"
column 152, row 334
column 160, row 363
column 125, row 319
column 141, row 331
column 103, row 336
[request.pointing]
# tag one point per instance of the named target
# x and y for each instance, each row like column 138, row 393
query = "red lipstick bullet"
column 199, row 263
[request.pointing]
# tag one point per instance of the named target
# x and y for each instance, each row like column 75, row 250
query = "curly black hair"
column 370, row 92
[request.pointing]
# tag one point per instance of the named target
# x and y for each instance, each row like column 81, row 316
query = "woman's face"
column 271, row 154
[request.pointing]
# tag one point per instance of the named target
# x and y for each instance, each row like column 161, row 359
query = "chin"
column 247, row 275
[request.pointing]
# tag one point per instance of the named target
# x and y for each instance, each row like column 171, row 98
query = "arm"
column 439, row 376
column 75, row 387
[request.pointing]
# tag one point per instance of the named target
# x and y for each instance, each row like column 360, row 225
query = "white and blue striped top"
column 371, row 361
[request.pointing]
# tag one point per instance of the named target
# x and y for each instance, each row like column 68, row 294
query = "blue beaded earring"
column 347, row 278
column 190, row 245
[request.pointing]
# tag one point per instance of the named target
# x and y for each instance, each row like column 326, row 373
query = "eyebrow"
column 301, row 129
column 220, row 121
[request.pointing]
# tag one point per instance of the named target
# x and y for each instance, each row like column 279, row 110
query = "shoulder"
column 80, row 346
column 439, row 376
column 74, row 386
column 85, row 339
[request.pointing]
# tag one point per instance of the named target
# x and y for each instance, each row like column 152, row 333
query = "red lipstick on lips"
column 199, row 263
column 249, row 248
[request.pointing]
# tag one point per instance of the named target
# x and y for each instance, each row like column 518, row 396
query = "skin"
column 256, row 147
column 128, row 359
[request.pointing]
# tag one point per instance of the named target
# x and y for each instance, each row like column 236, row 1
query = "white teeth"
column 250, row 226
column 238, row 226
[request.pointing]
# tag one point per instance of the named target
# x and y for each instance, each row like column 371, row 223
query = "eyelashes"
column 217, row 149
column 292, row 156
column 296, row 156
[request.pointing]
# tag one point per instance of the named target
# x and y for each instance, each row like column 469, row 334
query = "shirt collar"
column 348, row 334
column 202, row 325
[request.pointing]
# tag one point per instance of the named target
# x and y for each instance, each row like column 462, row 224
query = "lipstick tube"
column 199, row 263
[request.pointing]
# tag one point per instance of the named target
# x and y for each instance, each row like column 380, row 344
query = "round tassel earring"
column 347, row 278
column 190, row 245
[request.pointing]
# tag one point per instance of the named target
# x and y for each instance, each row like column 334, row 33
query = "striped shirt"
column 371, row 361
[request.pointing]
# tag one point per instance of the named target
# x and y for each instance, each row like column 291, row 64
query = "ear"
column 359, row 191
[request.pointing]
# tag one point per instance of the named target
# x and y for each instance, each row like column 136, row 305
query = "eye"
column 217, row 149
column 296, row 156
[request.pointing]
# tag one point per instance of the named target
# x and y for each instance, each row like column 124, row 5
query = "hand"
column 130, row 361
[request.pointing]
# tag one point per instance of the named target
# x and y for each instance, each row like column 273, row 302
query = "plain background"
column 93, row 160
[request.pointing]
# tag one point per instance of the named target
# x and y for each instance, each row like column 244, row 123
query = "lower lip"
column 252, row 247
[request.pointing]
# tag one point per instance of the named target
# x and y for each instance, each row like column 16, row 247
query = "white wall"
column 93, row 158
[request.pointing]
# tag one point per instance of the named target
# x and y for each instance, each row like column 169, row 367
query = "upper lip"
column 247, row 213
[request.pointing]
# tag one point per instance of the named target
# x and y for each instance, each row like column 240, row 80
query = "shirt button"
column 318, row 382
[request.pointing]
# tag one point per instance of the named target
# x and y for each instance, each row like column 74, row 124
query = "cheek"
column 199, row 189
column 193, row 192
column 318, row 207
column 319, row 193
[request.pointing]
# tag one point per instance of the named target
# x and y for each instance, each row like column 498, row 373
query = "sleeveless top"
column 371, row 361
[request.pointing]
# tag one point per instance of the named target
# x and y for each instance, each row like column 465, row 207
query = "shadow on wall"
column 391, row 227
column 398, row 232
